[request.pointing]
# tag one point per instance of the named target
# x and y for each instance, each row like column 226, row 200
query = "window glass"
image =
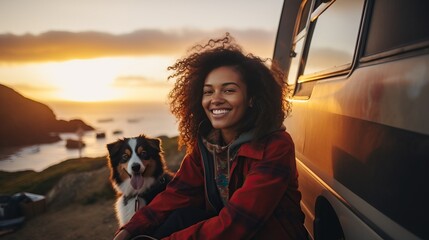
column 397, row 23
column 335, row 36
column 294, row 65
column 298, row 44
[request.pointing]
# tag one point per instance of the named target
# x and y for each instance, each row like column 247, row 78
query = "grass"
column 42, row 182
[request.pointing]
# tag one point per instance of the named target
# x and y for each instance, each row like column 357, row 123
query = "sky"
column 110, row 50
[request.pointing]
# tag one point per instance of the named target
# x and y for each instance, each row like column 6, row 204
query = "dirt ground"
column 76, row 221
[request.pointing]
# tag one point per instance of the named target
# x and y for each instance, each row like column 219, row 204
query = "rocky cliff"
column 24, row 121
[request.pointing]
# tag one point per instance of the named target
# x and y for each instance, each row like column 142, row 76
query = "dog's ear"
column 155, row 143
column 114, row 147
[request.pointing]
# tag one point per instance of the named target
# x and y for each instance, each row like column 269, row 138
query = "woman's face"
column 225, row 100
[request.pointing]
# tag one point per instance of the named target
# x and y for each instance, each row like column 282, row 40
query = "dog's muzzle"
column 137, row 180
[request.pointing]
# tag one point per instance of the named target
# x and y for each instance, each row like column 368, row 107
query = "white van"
column 359, row 75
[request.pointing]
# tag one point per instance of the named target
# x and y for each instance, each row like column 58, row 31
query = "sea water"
column 115, row 120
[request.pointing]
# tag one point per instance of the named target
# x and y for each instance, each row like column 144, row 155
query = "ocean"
column 115, row 120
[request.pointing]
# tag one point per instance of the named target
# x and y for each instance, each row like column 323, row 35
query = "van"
column 358, row 75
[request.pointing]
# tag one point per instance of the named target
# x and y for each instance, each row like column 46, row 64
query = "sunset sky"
column 106, row 50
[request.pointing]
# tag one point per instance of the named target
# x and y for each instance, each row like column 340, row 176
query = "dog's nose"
column 135, row 167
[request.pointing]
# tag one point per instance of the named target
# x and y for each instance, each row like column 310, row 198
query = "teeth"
column 219, row 111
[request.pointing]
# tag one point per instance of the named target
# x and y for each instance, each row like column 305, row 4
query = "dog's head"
column 136, row 159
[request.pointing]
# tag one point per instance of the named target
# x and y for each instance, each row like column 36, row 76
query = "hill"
column 25, row 121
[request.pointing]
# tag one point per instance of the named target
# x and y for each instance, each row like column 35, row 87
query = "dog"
column 138, row 172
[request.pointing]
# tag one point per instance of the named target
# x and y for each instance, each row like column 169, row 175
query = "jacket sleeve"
column 185, row 189
column 252, row 204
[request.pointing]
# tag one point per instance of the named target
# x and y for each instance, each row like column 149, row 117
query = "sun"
column 105, row 79
column 86, row 80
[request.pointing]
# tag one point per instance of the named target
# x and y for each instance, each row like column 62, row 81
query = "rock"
column 70, row 126
column 99, row 135
column 25, row 121
column 74, row 144
column 79, row 187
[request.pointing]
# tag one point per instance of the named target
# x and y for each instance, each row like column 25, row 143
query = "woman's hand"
column 122, row 235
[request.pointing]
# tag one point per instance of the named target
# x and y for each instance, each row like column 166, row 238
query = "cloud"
column 138, row 81
column 64, row 45
column 130, row 79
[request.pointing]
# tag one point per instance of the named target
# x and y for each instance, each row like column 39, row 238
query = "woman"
column 238, row 179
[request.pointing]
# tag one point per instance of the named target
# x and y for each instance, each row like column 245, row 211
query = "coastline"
column 34, row 135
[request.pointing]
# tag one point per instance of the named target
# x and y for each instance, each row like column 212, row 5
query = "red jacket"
column 267, row 206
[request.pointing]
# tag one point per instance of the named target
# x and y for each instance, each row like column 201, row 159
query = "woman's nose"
column 217, row 97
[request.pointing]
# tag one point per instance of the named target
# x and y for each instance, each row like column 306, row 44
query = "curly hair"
column 265, row 86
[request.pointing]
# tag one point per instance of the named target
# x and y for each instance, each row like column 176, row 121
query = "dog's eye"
column 144, row 155
column 125, row 157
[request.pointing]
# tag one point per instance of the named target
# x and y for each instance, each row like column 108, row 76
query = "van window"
column 298, row 43
column 396, row 24
column 333, row 38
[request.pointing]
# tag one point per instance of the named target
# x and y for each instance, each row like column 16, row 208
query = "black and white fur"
column 138, row 173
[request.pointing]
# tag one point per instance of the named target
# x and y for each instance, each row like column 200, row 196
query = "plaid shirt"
column 267, row 206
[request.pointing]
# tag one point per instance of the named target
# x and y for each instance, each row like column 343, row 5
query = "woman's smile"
column 220, row 112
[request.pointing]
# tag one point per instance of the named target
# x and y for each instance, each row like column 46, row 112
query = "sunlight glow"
column 85, row 80
column 99, row 79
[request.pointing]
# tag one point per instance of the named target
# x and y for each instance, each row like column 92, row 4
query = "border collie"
column 138, row 173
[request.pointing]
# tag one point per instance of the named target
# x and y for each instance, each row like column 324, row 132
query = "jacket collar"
column 255, row 150
column 245, row 147
column 252, row 150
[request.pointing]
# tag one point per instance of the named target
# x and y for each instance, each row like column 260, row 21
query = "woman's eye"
column 125, row 158
column 207, row 92
column 229, row 90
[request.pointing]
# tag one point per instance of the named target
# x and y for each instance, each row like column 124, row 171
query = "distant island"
column 25, row 121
